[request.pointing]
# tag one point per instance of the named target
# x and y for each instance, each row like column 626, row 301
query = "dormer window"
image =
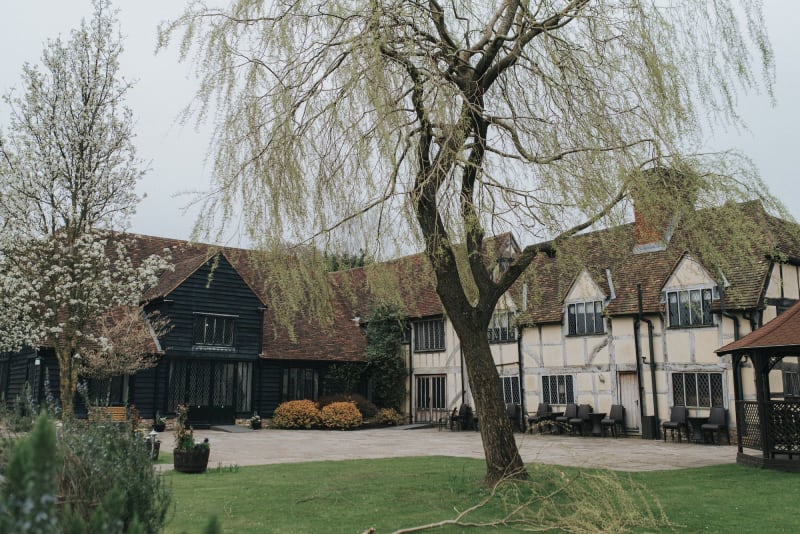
column 502, row 329
column 690, row 307
column 585, row 318
column 214, row 330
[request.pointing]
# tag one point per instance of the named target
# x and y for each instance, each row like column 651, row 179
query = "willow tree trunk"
column 500, row 448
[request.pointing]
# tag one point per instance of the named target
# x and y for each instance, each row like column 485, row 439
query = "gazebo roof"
column 782, row 332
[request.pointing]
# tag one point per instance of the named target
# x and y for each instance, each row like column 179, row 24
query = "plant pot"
column 255, row 425
column 159, row 427
column 191, row 461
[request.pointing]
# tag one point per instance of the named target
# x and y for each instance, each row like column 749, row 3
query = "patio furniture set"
column 697, row 429
column 578, row 419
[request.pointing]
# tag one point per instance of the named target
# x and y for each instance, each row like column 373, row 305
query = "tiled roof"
column 549, row 279
column 781, row 332
column 409, row 281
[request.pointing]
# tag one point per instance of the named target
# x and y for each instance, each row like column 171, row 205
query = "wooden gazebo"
column 771, row 423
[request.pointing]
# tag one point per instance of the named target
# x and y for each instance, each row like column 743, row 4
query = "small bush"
column 389, row 416
column 367, row 408
column 341, row 415
column 296, row 414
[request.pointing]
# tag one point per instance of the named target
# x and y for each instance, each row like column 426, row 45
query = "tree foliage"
column 385, row 365
column 68, row 169
column 436, row 123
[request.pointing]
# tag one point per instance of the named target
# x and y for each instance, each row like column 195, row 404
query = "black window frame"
column 502, row 328
column 429, row 335
column 578, row 319
column 690, row 308
column 227, row 332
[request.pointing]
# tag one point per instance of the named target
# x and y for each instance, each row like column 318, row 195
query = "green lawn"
column 351, row 496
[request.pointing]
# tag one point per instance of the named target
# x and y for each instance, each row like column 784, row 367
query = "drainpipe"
column 638, row 353
column 737, row 362
column 411, row 381
column 656, row 427
column 461, row 353
column 521, row 365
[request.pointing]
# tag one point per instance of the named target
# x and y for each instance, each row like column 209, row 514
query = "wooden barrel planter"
column 191, row 461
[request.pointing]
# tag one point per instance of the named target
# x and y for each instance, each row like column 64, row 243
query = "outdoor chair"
column 453, row 419
column 615, row 419
column 716, row 424
column 677, row 421
column 465, row 420
column 513, row 412
column 581, row 420
column 570, row 412
column 542, row 415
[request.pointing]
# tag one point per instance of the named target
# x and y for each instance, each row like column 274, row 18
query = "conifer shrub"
column 296, row 414
column 341, row 415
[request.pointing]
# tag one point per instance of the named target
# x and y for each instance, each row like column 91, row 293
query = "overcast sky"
column 176, row 153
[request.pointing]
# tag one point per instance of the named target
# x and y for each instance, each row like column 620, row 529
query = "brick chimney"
column 660, row 195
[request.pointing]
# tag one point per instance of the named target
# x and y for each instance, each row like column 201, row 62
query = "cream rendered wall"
column 446, row 362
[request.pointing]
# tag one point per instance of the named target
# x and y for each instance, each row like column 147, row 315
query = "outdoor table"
column 695, row 424
column 595, row 418
column 552, row 418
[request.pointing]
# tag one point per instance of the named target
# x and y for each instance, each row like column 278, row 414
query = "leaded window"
column 502, row 328
column 690, row 308
column 429, row 335
column 300, row 384
column 214, row 330
column 558, row 389
column 511, row 394
column 585, row 318
column 697, row 390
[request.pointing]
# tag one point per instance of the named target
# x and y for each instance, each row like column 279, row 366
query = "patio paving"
column 260, row 447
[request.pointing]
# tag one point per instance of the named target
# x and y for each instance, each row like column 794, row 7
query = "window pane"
column 672, row 299
column 546, row 389
column 589, row 318
column 562, row 393
column 573, row 328
column 703, row 390
column 696, row 308
column 691, row 389
column 716, row 390
column 598, row 317
column 684, row 315
column 581, row 318
column 570, row 392
column 678, row 389
column 707, row 318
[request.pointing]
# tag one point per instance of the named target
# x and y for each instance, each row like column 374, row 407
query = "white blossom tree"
column 68, row 168
column 439, row 122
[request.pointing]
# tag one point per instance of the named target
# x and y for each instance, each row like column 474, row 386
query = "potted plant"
column 188, row 456
column 159, row 423
column 255, row 421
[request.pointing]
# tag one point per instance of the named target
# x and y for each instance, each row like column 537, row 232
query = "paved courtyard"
column 259, row 447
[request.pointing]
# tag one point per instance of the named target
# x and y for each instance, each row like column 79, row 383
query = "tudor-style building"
column 611, row 319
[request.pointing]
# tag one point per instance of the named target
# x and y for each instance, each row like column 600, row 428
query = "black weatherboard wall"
column 215, row 289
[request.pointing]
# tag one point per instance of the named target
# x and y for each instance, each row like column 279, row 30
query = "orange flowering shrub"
column 341, row 415
column 296, row 414
column 389, row 416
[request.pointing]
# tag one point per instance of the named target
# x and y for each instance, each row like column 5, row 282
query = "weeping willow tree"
column 411, row 122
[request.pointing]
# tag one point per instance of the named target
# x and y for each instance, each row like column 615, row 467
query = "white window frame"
column 511, row 389
column 679, row 379
column 558, row 389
